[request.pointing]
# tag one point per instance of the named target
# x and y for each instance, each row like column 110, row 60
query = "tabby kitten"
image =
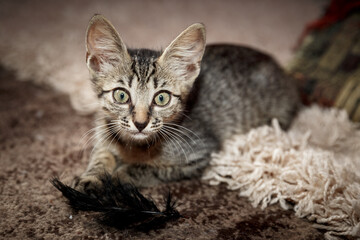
column 163, row 113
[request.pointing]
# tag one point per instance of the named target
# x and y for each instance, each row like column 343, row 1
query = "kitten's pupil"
column 122, row 96
column 161, row 98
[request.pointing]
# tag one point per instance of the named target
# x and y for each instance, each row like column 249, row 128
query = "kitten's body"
column 237, row 88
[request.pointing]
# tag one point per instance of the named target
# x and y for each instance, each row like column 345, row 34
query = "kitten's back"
column 239, row 88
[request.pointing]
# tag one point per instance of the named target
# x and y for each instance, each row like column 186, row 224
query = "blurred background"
column 43, row 41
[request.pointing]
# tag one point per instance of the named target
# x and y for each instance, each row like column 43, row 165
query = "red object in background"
column 336, row 11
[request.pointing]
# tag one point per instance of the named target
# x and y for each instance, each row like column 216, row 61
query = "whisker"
column 185, row 128
column 180, row 132
column 169, row 141
column 92, row 130
column 176, row 140
column 114, row 136
column 182, row 113
column 98, row 131
column 105, row 136
column 99, row 141
column 179, row 136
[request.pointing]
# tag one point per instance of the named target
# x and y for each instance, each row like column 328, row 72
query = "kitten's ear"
column 183, row 56
column 104, row 47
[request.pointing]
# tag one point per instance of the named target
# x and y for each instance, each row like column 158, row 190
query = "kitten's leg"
column 144, row 175
column 101, row 161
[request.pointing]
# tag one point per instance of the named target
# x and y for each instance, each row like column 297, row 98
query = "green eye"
column 162, row 99
column 121, row 96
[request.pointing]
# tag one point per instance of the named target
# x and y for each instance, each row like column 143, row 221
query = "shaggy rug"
column 314, row 169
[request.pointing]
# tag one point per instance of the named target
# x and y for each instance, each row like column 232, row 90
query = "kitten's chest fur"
column 143, row 154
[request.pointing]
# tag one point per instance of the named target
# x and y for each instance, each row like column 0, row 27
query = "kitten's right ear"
column 183, row 56
column 104, row 47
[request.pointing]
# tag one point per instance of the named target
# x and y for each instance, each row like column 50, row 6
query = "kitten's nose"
column 140, row 126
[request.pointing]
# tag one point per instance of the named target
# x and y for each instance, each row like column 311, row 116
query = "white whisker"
column 180, row 132
column 178, row 135
column 176, row 140
column 184, row 128
column 168, row 141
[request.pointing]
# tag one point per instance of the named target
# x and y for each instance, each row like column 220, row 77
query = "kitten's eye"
column 162, row 99
column 121, row 96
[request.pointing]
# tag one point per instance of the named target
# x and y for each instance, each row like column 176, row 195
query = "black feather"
column 120, row 205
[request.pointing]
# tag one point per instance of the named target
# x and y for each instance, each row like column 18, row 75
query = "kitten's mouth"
column 140, row 136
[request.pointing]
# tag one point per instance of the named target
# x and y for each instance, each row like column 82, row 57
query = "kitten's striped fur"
column 145, row 143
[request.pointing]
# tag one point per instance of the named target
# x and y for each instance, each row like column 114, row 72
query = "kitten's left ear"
column 183, row 56
column 104, row 47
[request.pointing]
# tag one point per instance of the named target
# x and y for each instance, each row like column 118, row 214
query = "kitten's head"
column 141, row 91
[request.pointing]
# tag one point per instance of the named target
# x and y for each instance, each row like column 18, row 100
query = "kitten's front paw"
column 121, row 175
column 89, row 184
column 137, row 176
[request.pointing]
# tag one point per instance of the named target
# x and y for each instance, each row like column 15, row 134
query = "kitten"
column 163, row 113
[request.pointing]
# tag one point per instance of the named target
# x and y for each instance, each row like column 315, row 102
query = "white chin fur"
column 140, row 136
